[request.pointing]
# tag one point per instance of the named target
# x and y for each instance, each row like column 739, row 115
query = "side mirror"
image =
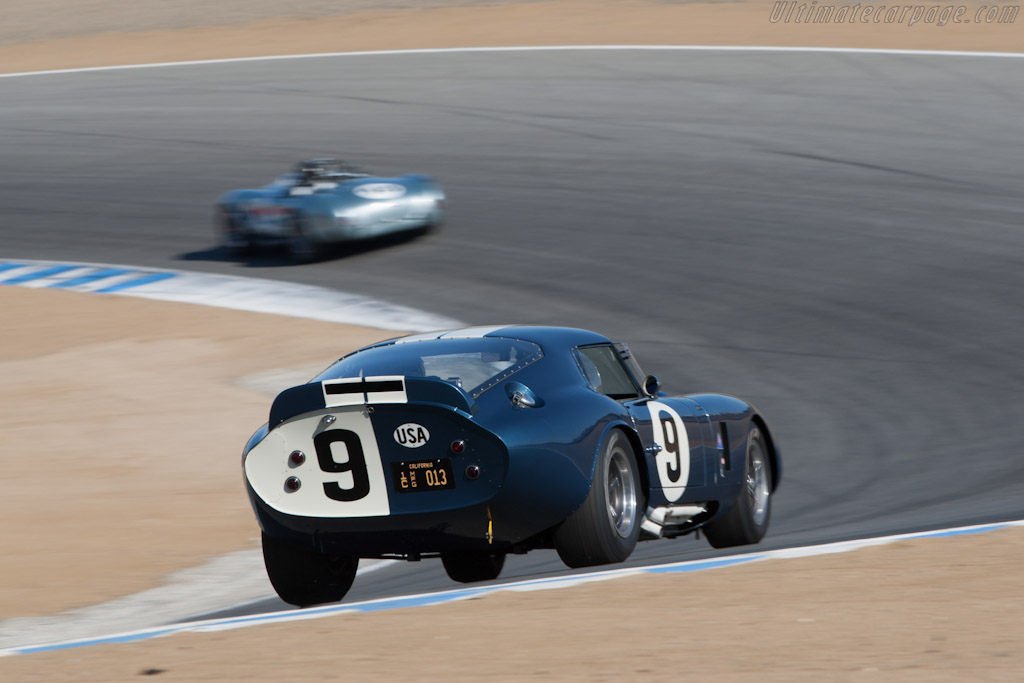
column 651, row 385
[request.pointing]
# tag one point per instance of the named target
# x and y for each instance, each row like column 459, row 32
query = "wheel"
column 303, row 577
column 472, row 567
column 301, row 247
column 606, row 527
column 747, row 520
column 231, row 235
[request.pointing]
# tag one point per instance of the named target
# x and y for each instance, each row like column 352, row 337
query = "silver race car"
column 326, row 201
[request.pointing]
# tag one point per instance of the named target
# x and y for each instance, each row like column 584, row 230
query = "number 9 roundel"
column 673, row 460
column 344, row 479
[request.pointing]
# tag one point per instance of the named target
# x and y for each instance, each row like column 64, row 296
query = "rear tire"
column 606, row 527
column 303, row 576
column 473, row 567
column 747, row 520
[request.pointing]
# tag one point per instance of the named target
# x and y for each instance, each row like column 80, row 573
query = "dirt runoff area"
column 141, row 409
column 123, row 422
column 59, row 34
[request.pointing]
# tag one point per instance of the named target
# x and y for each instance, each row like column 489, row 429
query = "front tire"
column 301, row 247
column 747, row 520
column 606, row 527
column 303, row 576
column 232, row 236
column 473, row 567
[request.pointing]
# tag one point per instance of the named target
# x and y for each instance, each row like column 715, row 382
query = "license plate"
column 423, row 475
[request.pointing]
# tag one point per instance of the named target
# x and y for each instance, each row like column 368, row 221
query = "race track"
column 835, row 237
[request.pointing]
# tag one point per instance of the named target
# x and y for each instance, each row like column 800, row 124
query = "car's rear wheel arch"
column 606, row 527
column 641, row 461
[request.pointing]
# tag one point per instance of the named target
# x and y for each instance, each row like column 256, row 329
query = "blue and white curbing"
column 225, row 291
column 425, row 599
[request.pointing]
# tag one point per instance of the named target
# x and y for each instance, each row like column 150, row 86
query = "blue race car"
column 471, row 444
column 326, row 201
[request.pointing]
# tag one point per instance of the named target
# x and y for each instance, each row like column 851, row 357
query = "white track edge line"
column 534, row 48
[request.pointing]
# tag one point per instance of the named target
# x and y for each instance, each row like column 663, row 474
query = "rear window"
column 474, row 365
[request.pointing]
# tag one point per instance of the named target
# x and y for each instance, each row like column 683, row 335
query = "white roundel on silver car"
column 379, row 191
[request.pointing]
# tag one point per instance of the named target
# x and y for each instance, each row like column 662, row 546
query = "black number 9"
column 675, row 470
column 356, row 464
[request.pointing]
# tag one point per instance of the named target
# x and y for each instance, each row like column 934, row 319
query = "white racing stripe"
column 423, row 599
column 473, row 332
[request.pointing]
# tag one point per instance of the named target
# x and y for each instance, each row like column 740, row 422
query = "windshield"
column 474, row 365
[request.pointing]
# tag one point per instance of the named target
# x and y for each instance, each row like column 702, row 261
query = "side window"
column 629, row 360
column 604, row 372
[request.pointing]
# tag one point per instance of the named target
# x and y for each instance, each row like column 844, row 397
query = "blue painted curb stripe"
column 698, row 566
column 91, row 277
column 225, row 291
column 35, row 275
column 138, row 282
column 106, row 640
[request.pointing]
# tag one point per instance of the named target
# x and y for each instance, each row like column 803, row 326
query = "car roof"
column 539, row 334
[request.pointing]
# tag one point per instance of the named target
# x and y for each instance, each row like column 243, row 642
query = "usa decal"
column 412, row 435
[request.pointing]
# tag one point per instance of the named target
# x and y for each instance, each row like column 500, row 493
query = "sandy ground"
column 122, row 422
column 53, row 34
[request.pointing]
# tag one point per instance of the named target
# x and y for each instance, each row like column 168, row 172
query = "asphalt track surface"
column 834, row 237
